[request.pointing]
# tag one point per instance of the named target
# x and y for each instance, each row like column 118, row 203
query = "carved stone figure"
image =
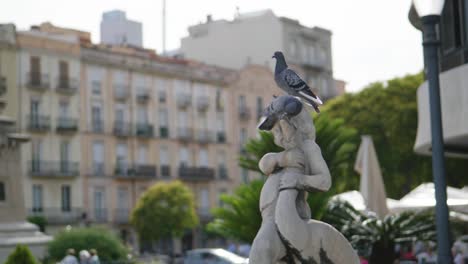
column 287, row 234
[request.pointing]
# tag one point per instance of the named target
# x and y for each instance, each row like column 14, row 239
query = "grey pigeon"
column 282, row 107
column 291, row 83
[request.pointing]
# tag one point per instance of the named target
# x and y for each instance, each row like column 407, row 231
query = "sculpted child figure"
column 287, row 234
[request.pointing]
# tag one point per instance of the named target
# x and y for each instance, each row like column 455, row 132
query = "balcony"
column 222, row 172
column 122, row 216
column 38, row 123
column 204, row 214
column 67, row 124
column 162, row 96
column 3, row 85
column 143, row 94
column 184, row 100
column 97, row 126
column 163, row 132
column 196, row 173
column 165, row 171
column 37, row 81
column 221, row 137
column 58, row 215
column 184, row 133
column 53, row 169
column 100, row 215
column 205, row 136
column 140, row 171
column 244, row 112
column 122, row 129
column 144, row 130
column 121, row 92
column 67, row 85
column 98, row 169
column 203, row 103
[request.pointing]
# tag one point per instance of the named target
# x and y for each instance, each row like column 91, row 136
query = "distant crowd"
column 86, row 257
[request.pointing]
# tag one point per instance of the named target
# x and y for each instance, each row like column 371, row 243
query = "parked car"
column 213, row 256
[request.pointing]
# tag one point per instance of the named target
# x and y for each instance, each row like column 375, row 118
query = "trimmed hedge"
column 108, row 246
column 22, row 255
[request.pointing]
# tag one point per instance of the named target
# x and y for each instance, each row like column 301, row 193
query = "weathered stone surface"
column 287, row 234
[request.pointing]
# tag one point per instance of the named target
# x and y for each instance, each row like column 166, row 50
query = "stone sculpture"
column 287, row 234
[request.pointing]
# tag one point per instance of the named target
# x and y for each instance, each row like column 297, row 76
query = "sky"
column 372, row 39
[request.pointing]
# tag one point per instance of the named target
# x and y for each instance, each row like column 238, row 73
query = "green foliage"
column 164, row 210
column 240, row 218
column 388, row 112
column 38, row 220
column 380, row 235
column 108, row 246
column 22, row 255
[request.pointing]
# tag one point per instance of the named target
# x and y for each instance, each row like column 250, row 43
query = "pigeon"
column 282, row 107
column 291, row 83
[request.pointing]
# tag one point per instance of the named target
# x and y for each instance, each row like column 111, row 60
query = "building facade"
column 116, row 29
column 453, row 77
column 106, row 122
column 252, row 38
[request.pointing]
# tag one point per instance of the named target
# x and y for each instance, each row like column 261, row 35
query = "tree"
column 163, row 211
column 38, row 220
column 376, row 238
column 108, row 246
column 240, row 218
column 22, row 255
column 388, row 112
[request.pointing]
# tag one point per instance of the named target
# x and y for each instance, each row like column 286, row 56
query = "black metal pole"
column 431, row 61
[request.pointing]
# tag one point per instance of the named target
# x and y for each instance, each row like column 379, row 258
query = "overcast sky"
column 372, row 39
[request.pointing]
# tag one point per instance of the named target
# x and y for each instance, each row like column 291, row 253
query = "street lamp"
column 429, row 11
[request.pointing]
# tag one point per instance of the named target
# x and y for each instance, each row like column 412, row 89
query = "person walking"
column 70, row 257
column 84, row 256
column 94, row 257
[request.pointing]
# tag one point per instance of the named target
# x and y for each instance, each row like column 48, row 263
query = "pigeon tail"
column 316, row 100
column 311, row 103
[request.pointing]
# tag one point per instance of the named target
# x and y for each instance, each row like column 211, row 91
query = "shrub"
column 108, row 246
column 38, row 220
column 22, row 255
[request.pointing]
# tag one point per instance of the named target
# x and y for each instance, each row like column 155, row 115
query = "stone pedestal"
column 24, row 233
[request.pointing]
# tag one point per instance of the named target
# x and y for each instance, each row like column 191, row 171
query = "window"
column 219, row 100
column 293, row 48
column 100, row 203
column 37, row 198
column 164, row 155
column 96, row 118
column 121, row 157
column 184, row 157
column 203, row 158
column 64, row 109
column 96, row 87
column 161, row 89
column 311, row 53
column 204, row 201
column 2, row 192
column 259, row 107
column 63, row 74
column 35, row 70
column 64, row 156
column 163, row 123
column 120, row 114
column 66, row 198
column 122, row 198
column 220, row 121
column 36, row 150
column 98, row 158
column 142, row 153
column 142, row 115
column 221, row 192
column 243, row 136
column 242, row 101
column 34, row 108
column 182, row 119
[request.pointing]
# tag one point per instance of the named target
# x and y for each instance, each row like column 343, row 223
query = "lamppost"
column 429, row 11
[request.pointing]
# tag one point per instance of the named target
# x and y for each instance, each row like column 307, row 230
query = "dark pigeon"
column 291, row 83
column 282, row 107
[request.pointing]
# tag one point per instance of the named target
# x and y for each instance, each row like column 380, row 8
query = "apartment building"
column 106, row 122
column 48, row 110
column 257, row 35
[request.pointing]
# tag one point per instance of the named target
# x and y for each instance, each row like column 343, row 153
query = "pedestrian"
column 427, row 256
column 84, row 257
column 70, row 257
column 94, row 257
column 458, row 251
